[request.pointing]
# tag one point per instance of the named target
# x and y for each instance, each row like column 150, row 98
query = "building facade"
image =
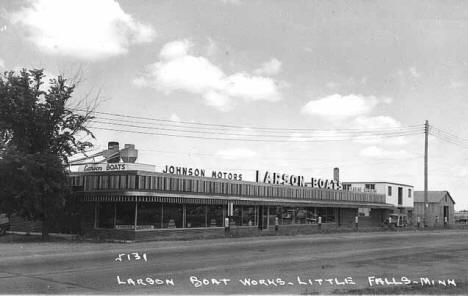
column 401, row 196
column 439, row 209
column 126, row 203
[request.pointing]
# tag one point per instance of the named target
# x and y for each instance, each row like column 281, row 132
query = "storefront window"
column 327, row 214
column 215, row 216
column 125, row 215
column 172, row 215
column 149, row 215
column 312, row 217
column 237, row 215
column 275, row 212
column 301, row 216
column 195, row 216
column 288, row 216
column 249, row 216
column 106, row 215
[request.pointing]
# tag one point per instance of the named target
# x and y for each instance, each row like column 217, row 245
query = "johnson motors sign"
column 188, row 171
column 294, row 180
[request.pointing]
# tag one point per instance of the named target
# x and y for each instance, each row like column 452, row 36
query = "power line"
column 245, row 131
column 248, row 140
column 332, row 136
column 210, row 155
column 448, row 137
column 238, row 126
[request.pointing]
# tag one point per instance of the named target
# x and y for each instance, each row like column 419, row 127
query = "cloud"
column 174, row 117
column 236, row 153
column 218, row 100
column 177, row 69
column 84, row 29
column 269, row 68
column 340, row 107
column 375, row 122
column 379, row 153
column 2, row 63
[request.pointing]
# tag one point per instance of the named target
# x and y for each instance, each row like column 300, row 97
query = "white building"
column 399, row 195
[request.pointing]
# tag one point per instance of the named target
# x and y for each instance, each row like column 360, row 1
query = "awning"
column 142, row 196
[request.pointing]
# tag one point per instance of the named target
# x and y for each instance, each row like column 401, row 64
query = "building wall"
column 435, row 210
column 408, row 199
column 382, row 188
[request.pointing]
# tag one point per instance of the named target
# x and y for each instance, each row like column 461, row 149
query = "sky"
column 315, row 81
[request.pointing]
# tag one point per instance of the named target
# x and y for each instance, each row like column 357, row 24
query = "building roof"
column 379, row 182
column 432, row 196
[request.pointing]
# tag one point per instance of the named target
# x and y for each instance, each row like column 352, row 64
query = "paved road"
column 300, row 265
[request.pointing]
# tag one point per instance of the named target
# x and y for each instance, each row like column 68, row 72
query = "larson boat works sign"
column 294, row 180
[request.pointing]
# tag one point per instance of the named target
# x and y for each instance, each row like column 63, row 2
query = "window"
column 409, row 192
column 215, row 216
column 149, row 215
column 370, row 186
column 172, row 215
column 389, row 190
column 400, row 196
column 195, row 216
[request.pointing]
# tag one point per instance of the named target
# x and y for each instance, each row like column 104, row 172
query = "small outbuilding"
column 439, row 208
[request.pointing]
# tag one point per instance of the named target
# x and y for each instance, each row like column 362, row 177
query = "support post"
column 96, row 214
column 136, row 214
column 115, row 214
column 162, row 215
column 268, row 217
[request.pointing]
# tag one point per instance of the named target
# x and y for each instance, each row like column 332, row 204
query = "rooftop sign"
column 293, row 180
column 109, row 167
column 188, row 171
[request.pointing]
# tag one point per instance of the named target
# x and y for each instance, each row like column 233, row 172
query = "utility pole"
column 426, row 143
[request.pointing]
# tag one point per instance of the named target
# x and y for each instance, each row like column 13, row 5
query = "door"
column 400, row 196
column 446, row 213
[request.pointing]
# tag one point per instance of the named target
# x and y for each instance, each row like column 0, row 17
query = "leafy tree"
column 38, row 133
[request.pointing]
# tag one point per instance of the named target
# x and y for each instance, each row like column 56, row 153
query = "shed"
column 440, row 205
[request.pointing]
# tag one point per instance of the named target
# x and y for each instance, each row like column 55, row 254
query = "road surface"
column 312, row 264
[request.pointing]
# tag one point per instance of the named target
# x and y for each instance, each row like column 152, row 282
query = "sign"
column 109, row 167
column 326, row 184
column 360, row 189
column 293, row 180
column 188, row 171
column 280, row 179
